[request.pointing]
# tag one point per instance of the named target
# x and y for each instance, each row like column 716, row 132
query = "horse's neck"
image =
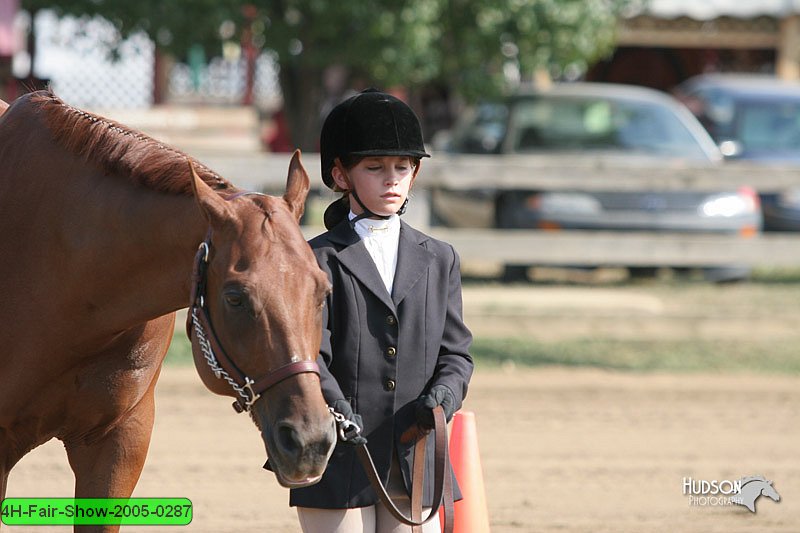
column 144, row 242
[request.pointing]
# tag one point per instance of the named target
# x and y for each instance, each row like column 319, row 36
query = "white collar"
column 368, row 227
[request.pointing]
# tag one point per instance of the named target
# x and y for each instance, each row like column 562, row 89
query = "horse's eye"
column 234, row 299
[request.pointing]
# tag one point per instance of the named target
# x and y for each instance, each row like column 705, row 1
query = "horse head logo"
column 752, row 488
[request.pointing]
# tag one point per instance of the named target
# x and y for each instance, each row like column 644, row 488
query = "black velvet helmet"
column 369, row 123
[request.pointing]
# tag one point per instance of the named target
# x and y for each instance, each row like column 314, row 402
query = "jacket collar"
column 413, row 260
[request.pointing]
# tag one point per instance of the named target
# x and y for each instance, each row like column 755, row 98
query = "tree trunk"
column 162, row 64
column 302, row 97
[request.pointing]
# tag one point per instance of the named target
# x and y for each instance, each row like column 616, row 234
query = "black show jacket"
column 381, row 352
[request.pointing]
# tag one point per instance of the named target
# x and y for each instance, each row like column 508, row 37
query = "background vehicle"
column 755, row 118
column 617, row 125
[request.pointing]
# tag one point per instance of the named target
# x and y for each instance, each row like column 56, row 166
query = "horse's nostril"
column 288, row 439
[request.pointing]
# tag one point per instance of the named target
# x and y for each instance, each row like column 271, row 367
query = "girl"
column 394, row 343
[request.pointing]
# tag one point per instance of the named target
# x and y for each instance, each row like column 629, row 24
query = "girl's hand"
column 438, row 395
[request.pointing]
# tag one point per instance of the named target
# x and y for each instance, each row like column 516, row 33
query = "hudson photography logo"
column 726, row 492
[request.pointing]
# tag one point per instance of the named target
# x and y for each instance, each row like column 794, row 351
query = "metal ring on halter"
column 204, row 244
column 248, row 386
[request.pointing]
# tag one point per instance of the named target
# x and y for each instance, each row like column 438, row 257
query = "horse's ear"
column 215, row 210
column 297, row 186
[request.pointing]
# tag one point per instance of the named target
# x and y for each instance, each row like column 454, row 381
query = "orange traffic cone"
column 471, row 513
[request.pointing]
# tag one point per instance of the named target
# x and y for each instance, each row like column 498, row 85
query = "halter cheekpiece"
column 206, row 343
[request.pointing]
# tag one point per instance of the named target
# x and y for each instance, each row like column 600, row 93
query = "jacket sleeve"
column 454, row 365
column 330, row 387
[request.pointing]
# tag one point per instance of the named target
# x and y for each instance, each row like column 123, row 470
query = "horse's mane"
column 117, row 149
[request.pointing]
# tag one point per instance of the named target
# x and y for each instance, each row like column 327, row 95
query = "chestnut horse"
column 100, row 228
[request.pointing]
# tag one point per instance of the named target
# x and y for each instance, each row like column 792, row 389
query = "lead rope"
column 442, row 479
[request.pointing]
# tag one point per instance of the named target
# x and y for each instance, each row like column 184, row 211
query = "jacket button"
column 390, row 384
column 391, row 351
column 390, row 320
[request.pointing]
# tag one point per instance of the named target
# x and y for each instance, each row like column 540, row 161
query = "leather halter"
column 206, row 343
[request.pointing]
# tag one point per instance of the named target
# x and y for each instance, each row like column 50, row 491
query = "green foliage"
column 468, row 46
column 175, row 25
column 481, row 37
column 463, row 43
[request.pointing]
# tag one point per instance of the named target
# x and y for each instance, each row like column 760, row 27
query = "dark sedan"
column 754, row 118
column 617, row 122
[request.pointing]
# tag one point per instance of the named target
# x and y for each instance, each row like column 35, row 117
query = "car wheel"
column 643, row 272
column 515, row 273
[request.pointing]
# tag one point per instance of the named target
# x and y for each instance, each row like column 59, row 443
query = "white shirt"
column 382, row 238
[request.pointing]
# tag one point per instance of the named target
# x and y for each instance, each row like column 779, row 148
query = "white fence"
column 592, row 248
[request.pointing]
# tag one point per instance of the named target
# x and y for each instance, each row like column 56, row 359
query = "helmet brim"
column 380, row 153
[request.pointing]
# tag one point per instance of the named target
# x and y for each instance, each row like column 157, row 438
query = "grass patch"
column 180, row 350
column 644, row 355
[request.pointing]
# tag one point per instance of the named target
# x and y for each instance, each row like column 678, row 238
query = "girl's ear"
column 416, row 171
column 339, row 177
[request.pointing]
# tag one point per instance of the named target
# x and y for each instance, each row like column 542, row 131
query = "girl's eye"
column 374, row 169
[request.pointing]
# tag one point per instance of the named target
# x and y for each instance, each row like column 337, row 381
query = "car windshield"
column 567, row 123
column 772, row 127
column 485, row 129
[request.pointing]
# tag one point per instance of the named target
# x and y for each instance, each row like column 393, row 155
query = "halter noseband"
column 201, row 333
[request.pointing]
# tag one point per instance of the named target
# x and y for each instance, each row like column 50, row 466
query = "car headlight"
column 744, row 201
column 573, row 203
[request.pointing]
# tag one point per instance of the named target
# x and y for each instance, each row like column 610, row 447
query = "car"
column 754, row 118
column 621, row 123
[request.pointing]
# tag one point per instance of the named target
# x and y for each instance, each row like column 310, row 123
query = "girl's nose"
column 393, row 176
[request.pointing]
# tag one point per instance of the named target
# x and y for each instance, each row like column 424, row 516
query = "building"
column 671, row 40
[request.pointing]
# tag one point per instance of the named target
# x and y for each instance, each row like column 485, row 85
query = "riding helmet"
column 371, row 123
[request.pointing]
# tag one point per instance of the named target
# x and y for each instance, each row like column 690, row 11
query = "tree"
column 469, row 46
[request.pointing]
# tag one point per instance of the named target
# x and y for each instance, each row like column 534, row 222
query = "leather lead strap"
column 442, row 480
column 416, row 487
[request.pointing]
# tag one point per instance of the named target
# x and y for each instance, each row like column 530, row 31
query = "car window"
column 483, row 130
column 716, row 111
column 600, row 124
column 769, row 126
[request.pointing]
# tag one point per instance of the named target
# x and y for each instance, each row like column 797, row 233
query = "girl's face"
column 381, row 182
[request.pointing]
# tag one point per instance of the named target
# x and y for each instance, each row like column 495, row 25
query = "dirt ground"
column 562, row 450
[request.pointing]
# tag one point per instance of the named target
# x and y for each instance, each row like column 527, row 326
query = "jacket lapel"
column 355, row 257
column 413, row 260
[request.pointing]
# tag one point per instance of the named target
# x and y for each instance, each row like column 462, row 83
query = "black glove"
column 438, row 395
column 343, row 407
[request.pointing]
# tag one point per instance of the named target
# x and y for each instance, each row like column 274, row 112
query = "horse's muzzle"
column 299, row 457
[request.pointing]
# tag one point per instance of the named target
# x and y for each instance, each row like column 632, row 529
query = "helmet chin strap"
column 366, row 213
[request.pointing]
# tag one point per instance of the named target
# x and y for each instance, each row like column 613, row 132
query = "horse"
column 752, row 488
column 106, row 233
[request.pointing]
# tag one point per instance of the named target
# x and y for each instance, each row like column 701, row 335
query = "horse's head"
column 769, row 491
column 256, row 333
